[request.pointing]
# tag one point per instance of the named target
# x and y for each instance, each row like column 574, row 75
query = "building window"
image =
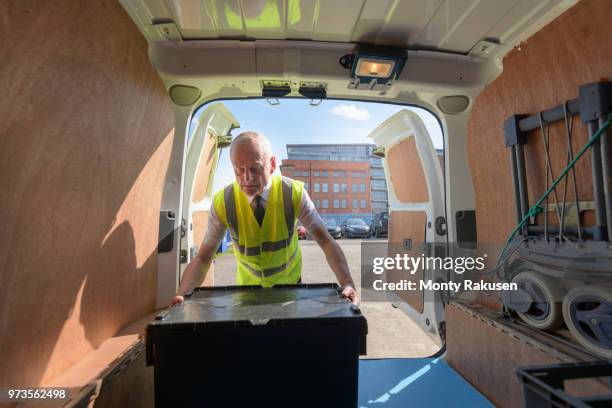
column 325, row 188
column 316, row 173
column 355, row 203
column 378, row 172
column 362, row 187
column 354, row 187
column 343, row 188
column 339, row 173
column 323, row 173
column 358, row 174
column 305, row 173
column 344, row 203
column 317, row 203
column 379, row 206
column 379, row 184
column 336, row 203
column 306, row 186
column 363, row 203
column 325, row 203
column 317, row 187
column 336, row 188
column 379, row 195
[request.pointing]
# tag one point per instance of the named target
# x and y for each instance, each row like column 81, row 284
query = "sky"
column 296, row 121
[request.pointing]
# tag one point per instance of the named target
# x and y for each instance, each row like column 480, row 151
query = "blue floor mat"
column 414, row 382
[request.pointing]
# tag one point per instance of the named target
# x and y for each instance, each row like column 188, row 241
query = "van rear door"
column 413, row 170
column 210, row 134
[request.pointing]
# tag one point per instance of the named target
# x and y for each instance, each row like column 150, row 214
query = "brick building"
column 343, row 180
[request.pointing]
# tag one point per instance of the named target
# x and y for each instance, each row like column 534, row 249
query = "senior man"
column 260, row 209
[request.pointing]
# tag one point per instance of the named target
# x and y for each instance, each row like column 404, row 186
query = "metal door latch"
column 440, row 225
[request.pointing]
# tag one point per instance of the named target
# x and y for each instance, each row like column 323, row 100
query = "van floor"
column 391, row 334
column 416, row 382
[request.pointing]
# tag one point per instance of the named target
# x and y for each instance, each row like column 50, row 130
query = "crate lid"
column 254, row 305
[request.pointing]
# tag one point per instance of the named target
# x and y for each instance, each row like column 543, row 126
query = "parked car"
column 379, row 227
column 354, row 227
column 333, row 228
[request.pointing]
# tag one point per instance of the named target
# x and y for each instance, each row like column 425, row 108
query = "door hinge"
column 183, row 227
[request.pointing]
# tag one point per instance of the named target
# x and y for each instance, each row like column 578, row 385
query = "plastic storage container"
column 287, row 346
column 543, row 386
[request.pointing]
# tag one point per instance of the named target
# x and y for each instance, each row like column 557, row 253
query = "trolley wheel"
column 544, row 312
column 588, row 315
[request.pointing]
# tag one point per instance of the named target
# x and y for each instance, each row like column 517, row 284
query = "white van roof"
column 442, row 25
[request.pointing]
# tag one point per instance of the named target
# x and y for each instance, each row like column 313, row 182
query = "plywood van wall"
column 407, row 225
column 200, row 224
column 490, row 364
column 207, row 159
column 408, row 180
column 86, row 133
column 543, row 72
column 202, row 181
column 407, row 176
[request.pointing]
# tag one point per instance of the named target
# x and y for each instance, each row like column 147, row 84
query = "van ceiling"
column 444, row 25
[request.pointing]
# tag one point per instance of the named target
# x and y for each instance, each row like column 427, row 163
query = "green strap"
column 536, row 209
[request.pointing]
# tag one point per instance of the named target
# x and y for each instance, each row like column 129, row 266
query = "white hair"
column 253, row 138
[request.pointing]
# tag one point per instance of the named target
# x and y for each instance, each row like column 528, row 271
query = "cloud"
column 351, row 112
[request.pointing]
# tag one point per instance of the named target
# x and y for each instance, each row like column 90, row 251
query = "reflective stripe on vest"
column 267, row 250
column 267, row 246
column 270, row 271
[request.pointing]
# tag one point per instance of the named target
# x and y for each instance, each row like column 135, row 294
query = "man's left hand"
column 350, row 293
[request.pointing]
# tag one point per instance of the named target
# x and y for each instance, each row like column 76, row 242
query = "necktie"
column 259, row 209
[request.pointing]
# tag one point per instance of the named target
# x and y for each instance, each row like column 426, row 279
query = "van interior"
column 117, row 117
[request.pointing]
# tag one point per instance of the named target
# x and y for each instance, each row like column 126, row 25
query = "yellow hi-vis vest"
column 266, row 255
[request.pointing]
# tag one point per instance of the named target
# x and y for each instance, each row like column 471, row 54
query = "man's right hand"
column 177, row 300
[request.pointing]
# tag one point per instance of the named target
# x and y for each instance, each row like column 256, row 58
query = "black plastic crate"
column 543, row 386
column 287, row 346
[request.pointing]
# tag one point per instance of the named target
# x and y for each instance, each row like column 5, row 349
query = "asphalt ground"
column 390, row 332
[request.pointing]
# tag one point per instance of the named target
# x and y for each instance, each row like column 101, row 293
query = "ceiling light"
column 374, row 67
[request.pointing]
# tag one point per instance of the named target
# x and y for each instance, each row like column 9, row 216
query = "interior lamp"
column 373, row 67
column 367, row 67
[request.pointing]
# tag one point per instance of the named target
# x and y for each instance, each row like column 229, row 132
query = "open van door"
column 416, row 207
column 210, row 135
